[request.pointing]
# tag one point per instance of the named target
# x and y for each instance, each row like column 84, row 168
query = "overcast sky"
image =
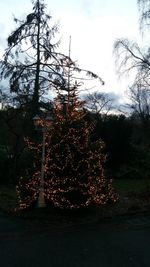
column 94, row 25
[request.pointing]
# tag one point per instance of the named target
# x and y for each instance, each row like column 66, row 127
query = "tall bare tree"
column 99, row 103
column 135, row 60
column 139, row 95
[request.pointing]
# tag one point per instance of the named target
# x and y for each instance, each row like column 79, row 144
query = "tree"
column 31, row 60
column 99, row 103
column 74, row 173
column 13, row 128
column 139, row 95
column 34, row 67
column 134, row 60
column 130, row 56
column 74, row 163
column 144, row 7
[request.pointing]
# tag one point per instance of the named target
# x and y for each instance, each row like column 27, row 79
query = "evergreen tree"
column 31, row 60
column 74, row 174
column 74, row 164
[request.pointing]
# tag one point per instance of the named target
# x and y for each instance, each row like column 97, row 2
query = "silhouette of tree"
column 31, row 60
column 99, row 103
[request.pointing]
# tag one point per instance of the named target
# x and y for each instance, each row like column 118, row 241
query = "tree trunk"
column 35, row 100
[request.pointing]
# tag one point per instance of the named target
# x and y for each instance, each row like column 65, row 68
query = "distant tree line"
column 127, row 145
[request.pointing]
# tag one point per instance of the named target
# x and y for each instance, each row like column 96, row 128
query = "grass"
column 8, row 198
column 134, row 195
column 124, row 187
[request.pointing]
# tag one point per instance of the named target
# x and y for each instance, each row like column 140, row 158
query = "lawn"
column 134, row 196
column 8, row 198
column 124, row 187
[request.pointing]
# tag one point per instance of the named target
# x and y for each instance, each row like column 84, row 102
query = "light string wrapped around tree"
column 28, row 187
column 74, row 161
column 74, row 175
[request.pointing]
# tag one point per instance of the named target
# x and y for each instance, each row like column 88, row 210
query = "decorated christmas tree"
column 74, row 160
column 74, row 174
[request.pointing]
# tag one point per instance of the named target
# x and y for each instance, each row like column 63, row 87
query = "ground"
column 113, row 236
column 134, row 196
column 119, row 242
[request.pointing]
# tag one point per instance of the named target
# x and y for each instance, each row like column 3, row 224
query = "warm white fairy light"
column 74, row 175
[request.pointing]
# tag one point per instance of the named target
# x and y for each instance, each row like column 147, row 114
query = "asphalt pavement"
column 119, row 242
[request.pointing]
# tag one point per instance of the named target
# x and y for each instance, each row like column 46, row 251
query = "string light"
column 74, row 162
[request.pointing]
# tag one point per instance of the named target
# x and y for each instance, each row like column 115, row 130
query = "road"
column 122, row 242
